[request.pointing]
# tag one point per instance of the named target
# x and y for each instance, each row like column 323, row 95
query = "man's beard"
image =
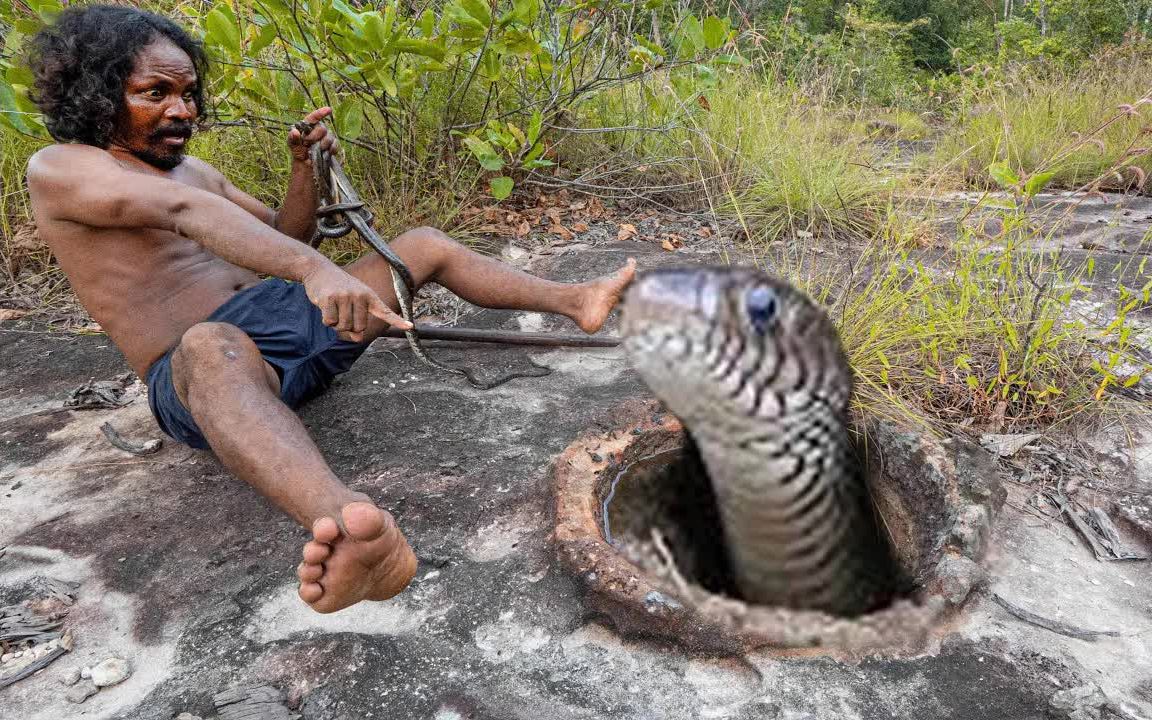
column 167, row 160
column 162, row 162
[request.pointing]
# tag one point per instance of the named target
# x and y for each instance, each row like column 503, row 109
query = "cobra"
column 755, row 371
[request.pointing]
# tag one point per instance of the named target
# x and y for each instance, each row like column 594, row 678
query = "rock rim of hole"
column 938, row 500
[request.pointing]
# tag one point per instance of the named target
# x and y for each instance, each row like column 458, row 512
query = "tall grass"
column 1036, row 123
column 780, row 163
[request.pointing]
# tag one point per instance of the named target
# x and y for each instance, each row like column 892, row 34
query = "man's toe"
column 325, row 530
column 364, row 521
column 310, row 592
column 315, row 553
column 309, row 573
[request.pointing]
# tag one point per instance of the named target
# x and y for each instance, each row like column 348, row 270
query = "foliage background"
column 802, row 125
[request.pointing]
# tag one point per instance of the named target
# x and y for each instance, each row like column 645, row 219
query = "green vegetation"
column 810, row 127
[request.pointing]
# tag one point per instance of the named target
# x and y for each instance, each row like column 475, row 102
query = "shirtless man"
column 164, row 253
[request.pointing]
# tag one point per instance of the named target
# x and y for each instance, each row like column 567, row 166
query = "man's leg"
column 233, row 395
column 432, row 256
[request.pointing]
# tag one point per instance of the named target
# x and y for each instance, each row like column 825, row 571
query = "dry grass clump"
column 1062, row 123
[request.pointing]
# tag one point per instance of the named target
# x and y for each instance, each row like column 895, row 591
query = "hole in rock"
column 659, row 511
column 637, row 522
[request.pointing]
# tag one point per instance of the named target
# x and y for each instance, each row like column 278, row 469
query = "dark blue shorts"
column 288, row 329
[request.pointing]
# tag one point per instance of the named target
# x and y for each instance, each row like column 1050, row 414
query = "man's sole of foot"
column 369, row 560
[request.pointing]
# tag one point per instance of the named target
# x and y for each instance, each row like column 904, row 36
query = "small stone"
column 955, row 577
column 1080, row 703
column 970, row 530
column 85, row 672
column 66, row 641
column 71, row 677
column 80, row 692
column 187, row 716
column 7, row 656
column 111, row 671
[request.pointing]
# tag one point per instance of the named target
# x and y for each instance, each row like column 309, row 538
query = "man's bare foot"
column 601, row 295
column 371, row 560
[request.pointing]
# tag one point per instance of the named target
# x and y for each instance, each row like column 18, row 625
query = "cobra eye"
column 760, row 302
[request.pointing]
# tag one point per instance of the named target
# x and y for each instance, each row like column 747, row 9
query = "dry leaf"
column 704, row 231
column 580, row 227
column 627, row 231
column 11, row 314
column 561, row 231
column 523, row 228
column 554, row 215
column 703, row 102
column 595, row 208
column 668, row 245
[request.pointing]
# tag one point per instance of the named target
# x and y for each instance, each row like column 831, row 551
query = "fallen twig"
column 1101, row 542
column 670, row 563
column 1055, row 626
column 118, row 441
column 32, row 668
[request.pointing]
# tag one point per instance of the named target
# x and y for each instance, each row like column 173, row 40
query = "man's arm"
column 296, row 217
column 85, row 185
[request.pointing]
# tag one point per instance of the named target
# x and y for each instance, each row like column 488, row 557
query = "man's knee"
column 426, row 238
column 212, row 351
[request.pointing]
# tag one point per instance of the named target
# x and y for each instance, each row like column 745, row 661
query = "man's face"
column 159, row 110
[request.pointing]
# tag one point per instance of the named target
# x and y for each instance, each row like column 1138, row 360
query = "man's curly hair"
column 81, row 62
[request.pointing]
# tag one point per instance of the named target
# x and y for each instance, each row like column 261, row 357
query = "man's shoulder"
column 202, row 168
column 62, row 152
column 60, row 156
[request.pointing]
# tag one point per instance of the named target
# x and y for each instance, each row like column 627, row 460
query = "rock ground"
column 188, row 575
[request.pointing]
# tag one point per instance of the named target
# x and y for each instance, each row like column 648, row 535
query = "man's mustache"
column 181, row 130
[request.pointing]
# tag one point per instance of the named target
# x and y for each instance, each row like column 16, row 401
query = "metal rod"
column 434, row 332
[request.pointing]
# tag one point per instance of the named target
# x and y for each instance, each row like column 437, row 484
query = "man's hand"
column 346, row 302
column 299, row 144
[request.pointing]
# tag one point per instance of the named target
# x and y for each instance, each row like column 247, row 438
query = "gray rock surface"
column 191, row 574
column 110, row 671
column 81, row 691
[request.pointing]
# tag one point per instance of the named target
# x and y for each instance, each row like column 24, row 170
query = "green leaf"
column 1003, row 175
column 693, row 32
column 374, row 29
column 427, row 48
column 349, row 117
column 525, row 11
column 479, row 10
column 389, row 84
column 488, row 158
column 222, row 30
column 10, row 110
column 534, row 126
column 715, row 32
column 19, row 75
column 428, row 23
column 490, row 66
column 389, row 20
column 1037, row 182
column 500, row 187
column 536, row 163
column 729, row 60
column 263, row 39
